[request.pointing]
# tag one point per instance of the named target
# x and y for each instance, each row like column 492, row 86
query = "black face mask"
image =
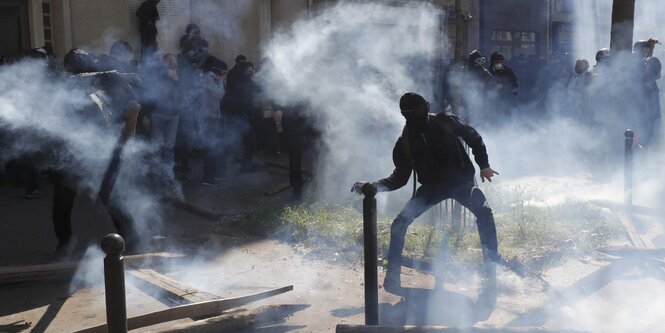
column 415, row 119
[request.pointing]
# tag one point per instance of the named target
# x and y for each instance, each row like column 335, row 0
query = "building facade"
column 233, row 27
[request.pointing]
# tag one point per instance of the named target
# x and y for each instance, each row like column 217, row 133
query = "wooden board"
column 195, row 210
column 633, row 252
column 208, row 308
column 35, row 272
column 277, row 189
column 236, row 320
column 281, row 187
column 620, row 206
column 177, row 291
column 633, row 236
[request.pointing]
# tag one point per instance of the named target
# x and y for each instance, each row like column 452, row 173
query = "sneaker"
column 392, row 282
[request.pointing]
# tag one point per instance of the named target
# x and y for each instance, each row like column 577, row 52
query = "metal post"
column 628, row 170
column 114, row 283
column 371, row 274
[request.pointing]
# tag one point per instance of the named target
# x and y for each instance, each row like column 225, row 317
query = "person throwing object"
column 430, row 147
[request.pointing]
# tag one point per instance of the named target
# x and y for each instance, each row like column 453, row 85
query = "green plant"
column 536, row 232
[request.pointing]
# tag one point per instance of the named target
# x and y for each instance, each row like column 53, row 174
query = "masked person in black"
column 477, row 83
column 148, row 16
column 506, row 83
column 650, row 68
column 111, row 101
column 430, row 146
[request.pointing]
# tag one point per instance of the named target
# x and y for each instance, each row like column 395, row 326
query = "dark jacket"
column 241, row 91
column 438, row 155
column 148, row 16
column 506, row 78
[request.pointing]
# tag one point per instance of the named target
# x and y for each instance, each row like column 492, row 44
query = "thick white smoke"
column 350, row 65
column 43, row 113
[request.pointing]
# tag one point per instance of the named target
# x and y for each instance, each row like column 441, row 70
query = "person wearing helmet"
column 430, row 146
column 602, row 60
column 476, row 66
column 111, row 100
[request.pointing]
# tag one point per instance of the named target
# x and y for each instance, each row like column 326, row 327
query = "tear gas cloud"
column 222, row 24
column 43, row 114
column 350, row 65
column 352, row 90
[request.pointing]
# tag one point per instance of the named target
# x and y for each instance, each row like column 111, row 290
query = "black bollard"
column 114, row 283
column 628, row 170
column 371, row 273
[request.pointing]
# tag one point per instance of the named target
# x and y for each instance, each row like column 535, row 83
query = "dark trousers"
column 30, row 178
column 241, row 137
column 213, row 161
column 64, row 194
column 294, row 137
column 148, row 42
column 427, row 196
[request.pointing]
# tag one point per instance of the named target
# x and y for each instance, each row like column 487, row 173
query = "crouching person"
column 430, row 146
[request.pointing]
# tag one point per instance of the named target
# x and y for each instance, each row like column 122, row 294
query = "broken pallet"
column 201, row 309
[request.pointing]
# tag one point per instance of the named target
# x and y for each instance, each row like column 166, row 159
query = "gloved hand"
column 358, row 187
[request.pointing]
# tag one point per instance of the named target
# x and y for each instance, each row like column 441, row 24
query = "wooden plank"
column 236, row 320
column 446, row 329
column 281, row 187
column 202, row 309
column 619, row 206
column 36, row 272
column 633, row 252
column 634, row 237
column 177, row 291
column 277, row 189
column 195, row 210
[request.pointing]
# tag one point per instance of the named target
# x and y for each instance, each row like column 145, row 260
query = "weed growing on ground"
column 537, row 233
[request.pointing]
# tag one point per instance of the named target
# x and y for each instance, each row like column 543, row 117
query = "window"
column 513, row 43
column 48, row 31
column 564, row 6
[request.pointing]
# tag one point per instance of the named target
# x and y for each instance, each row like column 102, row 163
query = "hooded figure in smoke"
column 479, row 90
column 430, row 147
column 648, row 72
column 506, row 86
column 148, row 15
column 111, row 101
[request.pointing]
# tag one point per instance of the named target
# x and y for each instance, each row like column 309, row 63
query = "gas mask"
column 480, row 62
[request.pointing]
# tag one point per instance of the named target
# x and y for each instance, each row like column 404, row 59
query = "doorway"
column 15, row 33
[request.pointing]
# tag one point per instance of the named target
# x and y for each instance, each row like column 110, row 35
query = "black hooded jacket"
column 436, row 153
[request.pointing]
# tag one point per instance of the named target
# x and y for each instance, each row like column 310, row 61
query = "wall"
column 231, row 27
column 96, row 24
column 285, row 12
